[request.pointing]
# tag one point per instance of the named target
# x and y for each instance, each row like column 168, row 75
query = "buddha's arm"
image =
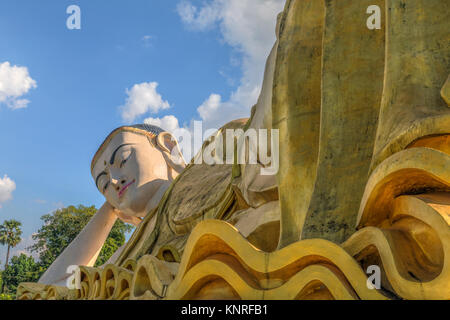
column 84, row 249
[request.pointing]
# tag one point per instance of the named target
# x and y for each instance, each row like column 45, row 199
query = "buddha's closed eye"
column 125, row 156
column 124, row 161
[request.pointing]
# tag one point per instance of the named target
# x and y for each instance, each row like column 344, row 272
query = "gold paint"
column 445, row 92
column 414, row 170
column 353, row 62
column 296, row 110
column 415, row 252
column 417, row 53
column 440, row 142
column 364, row 123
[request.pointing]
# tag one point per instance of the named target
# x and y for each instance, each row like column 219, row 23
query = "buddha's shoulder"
column 202, row 191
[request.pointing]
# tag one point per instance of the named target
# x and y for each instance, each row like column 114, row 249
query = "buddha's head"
column 133, row 164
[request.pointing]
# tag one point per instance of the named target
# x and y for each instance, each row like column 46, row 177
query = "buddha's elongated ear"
column 171, row 151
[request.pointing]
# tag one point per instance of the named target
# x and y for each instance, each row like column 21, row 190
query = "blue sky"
column 164, row 62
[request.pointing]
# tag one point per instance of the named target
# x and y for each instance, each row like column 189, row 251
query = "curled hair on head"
column 149, row 128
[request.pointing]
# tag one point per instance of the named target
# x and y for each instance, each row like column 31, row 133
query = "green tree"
column 22, row 268
column 63, row 225
column 10, row 233
column 4, row 296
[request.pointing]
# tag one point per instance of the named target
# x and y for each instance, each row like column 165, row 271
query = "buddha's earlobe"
column 166, row 141
column 171, row 151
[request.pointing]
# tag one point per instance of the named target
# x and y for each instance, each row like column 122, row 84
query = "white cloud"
column 199, row 19
column 210, row 106
column 7, row 186
column 248, row 26
column 168, row 123
column 14, row 82
column 142, row 98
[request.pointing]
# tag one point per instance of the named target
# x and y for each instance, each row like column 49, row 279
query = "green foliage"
column 59, row 229
column 112, row 243
column 10, row 233
column 22, row 268
column 4, row 296
column 62, row 226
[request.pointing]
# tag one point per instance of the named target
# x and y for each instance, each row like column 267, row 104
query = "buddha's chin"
column 132, row 205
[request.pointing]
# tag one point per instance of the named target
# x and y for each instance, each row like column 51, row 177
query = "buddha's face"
column 129, row 172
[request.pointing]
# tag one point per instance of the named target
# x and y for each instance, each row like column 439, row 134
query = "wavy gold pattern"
column 218, row 243
column 414, row 251
column 37, row 291
column 151, row 278
column 406, row 256
column 409, row 171
column 217, row 256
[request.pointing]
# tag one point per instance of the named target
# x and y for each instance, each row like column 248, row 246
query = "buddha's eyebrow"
column 98, row 177
column 113, row 156
column 111, row 161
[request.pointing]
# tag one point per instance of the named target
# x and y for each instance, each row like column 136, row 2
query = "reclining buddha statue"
column 360, row 205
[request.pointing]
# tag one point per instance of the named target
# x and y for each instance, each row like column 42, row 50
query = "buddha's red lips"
column 122, row 191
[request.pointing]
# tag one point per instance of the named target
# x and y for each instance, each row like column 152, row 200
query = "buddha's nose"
column 118, row 183
column 115, row 179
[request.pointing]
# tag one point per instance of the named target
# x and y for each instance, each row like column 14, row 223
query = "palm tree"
column 10, row 235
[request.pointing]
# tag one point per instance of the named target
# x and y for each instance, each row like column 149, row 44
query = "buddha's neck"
column 157, row 196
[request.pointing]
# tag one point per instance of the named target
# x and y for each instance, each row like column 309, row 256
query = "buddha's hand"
column 127, row 219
